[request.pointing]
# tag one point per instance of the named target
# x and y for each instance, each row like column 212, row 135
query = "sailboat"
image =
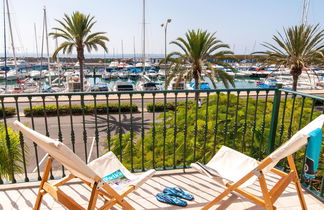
column 47, row 49
column 6, row 73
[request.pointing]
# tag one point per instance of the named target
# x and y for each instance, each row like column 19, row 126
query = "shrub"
column 51, row 110
column 170, row 106
column 15, row 152
column 159, row 107
column 113, row 108
column 9, row 111
column 203, row 134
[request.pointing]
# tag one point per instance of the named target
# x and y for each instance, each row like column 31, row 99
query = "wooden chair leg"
column 120, row 199
column 44, row 179
column 300, row 194
column 229, row 189
column 108, row 204
column 63, row 181
column 297, row 182
column 93, row 197
column 265, row 192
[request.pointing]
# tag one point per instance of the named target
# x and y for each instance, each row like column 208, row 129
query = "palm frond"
column 296, row 46
column 75, row 30
column 196, row 48
column 65, row 46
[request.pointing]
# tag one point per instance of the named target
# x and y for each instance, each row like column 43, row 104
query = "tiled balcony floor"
column 23, row 196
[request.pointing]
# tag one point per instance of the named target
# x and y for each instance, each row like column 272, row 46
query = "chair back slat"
column 59, row 152
column 296, row 142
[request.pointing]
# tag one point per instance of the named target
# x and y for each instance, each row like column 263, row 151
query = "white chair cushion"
column 233, row 165
column 108, row 164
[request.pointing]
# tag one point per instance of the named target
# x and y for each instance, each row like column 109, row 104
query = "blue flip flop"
column 165, row 198
column 178, row 192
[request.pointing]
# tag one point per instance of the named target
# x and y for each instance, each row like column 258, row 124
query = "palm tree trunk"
column 295, row 81
column 196, row 78
column 81, row 59
column 295, row 72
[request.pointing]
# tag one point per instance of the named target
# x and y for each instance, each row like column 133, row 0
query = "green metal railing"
column 157, row 129
column 304, row 109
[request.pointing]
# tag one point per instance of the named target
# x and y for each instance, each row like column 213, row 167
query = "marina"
column 98, row 77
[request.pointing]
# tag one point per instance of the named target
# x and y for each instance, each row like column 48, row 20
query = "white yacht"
column 143, row 86
column 37, row 74
column 176, row 84
column 106, row 75
column 114, row 64
column 11, row 75
column 152, row 74
column 123, row 74
column 161, row 74
column 100, row 87
column 229, row 72
column 123, row 86
column 140, row 65
column 74, row 85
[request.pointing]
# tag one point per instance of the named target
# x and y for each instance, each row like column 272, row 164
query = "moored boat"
column 123, row 86
column 146, row 86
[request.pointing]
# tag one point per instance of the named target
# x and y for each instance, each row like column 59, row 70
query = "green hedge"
column 170, row 106
column 159, row 107
column 8, row 110
column 77, row 109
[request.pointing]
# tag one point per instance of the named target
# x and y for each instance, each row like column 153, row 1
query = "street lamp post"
column 165, row 26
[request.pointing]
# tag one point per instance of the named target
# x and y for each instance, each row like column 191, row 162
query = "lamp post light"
column 165, row 26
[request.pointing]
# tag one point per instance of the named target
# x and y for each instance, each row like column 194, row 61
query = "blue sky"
column 243, row 24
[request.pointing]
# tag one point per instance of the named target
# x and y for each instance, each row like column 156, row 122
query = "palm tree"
column 76, row 31
column 298, row 48
column 199, row 49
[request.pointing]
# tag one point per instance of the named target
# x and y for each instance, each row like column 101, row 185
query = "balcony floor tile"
column 203, row 188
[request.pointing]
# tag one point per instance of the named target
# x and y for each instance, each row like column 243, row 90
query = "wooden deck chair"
column 235, row 170
column 106, row 176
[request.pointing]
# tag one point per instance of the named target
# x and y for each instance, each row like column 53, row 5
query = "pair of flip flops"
column 172, row 195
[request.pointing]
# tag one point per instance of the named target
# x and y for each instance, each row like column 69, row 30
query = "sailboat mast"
column 134, row 49
column 56, row 46
column 58, row 66
column 305, row 12
column 122, row 48
column 105, row 66
column 47, row 48
column 144, row 36
column 11, row 36
column 36, row 40
column 41, row 55
column 5, row 44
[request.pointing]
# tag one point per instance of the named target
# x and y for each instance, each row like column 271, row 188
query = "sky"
column 243, row 24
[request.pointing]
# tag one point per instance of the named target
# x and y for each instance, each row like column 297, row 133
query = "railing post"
column 274, row 119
